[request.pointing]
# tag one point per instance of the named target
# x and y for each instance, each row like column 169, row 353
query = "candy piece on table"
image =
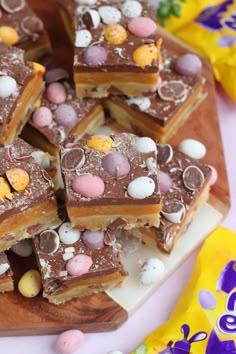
column 29, row 284
column 111, row 56
column 152, row 270
column 30, row 205
column 19, row 91
column 59, row 114
column 6, row 279
column 69, row 341
column 160, row 115
column 87, row 262
column 193, row 148
column 184, row 185
column 20, row 26
column 112, row 183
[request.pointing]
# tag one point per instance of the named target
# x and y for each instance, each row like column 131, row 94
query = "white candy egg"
column 8, row 86
column 151, row 271
column 80, row 10
column 151, row 165
column 132, row 8
column 143, row 103
column 109, row 14
column 82, row 38
column 145, row 145
column 95, row 18
column 67, row 234
column 192, row 148
column 141, row 187
column 3, row 268
column 42, row 158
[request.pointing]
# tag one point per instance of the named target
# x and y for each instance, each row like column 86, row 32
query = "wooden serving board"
column 106, row 312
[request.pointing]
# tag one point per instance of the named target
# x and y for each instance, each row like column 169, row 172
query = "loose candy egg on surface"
column 69, row 341
column 56, row 93
column 67, row 234
column 95, row 55
column 131, row 8
column 152, row 270
column 79, row 265
column 8, row 86
column 89, row 186
column 145, row 145
column 141, row 187
column 93, row 239
column 142, row 26
column 192, row 148
column 116, row 164
column 65, row 115
column 30, row 283
column 214, row 175
column 188, row 65
column 42, row 117
column 23, row 248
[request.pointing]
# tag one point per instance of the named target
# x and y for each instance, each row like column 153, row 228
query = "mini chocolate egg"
column 116, row 164
column 73, row 159
column 42, row 117
column 49, row 241
column 100, row 143
column 141, row 187
column 174, row 211
column 91, row 18
column 94, row 239
column 109, row 14
column 4, row 268
column 145, row 145
column 65, row 115
column 145, row 55
column 214, row 175
column 42, row 158
column 95, row 55
column 192, row 148
column 18, row 178
column 131, row 8
column 56, row 93
column 55, row 74
column 152, row 270
column 82, row 38
column 193, row 178
column 9, row 35
column 12, row 6
column 188, row 65
column 8, row 86
column 79, row 265
column 89, row 186
column 30, row 283
column 143, row 103
column 67, row 234
column 69, row 341
column 142, row 26
column 24, row 248
column 115, row 34
column 165, row 182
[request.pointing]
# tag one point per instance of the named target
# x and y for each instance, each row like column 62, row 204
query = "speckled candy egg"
column 152, row 270
column 115, row 34
column 192, row 148
column 109, row 14
column 188, row 65
column 94, row 239
column 88, row 186
column 79, row 265
column 100, row 143
column 42, row 117
column 30, row 283
column 95, row 55
column 9, row 35
column 8, row 86
column 55, row 74
column 165, row 182
column 131, row 8
column 142, row 26
column 116, row 164
column 69, row 341
column 141, row 187
column 56, row 93
column 4, row 268
column 67, row 234
column 145, row 145
column 82, row 38
column 143, row 103
column 145, row 55
column 65, row 115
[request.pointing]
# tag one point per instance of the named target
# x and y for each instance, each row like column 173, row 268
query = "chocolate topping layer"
column 115, row 188
column 120, row 57
column 176, row 90
column 40, row 187
column 12, row 64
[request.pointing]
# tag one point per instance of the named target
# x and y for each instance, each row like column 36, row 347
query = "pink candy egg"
column 165, row 182
column 142, row 26
column 79, row 265
column 188, row 64
column 55, row 74
column 88, row 186
column 93, row 239
column 159, row 82
column 214, row 175
column 116, row 164
column 56, row 93
column 95, row 55
column 42, row 117
column 66, row 116
column 69, row 341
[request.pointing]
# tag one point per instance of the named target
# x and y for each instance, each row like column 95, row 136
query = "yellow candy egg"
column 100, row 143
column 38, row 68
column 5, row 189
column 9, row 35
column 30, row 283
column 145, row 55
column 115, row 34
column 18, row 178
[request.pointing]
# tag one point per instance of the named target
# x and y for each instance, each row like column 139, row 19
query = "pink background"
column 157, row 309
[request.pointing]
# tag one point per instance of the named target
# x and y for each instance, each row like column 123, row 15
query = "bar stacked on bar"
column 20, row 26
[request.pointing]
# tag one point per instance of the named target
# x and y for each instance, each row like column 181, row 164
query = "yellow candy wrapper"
column 204, row 320
column 210, row 28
